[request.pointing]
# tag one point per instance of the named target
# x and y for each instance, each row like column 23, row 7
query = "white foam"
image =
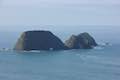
column 98, row 47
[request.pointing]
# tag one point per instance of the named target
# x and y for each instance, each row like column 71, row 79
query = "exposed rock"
column 39, row 40
column 81, row 41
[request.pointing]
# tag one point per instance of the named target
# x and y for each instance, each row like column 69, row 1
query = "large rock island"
column 39, row 40
column 45, row 40
column 81, row 41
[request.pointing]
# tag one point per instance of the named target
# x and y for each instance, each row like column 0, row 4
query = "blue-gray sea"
column 100, row 63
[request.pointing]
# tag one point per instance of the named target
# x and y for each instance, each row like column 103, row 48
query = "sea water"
column 96, row 64
column 100, row 63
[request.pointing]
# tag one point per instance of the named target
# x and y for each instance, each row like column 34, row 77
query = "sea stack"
column 39, row 40
column 81, row 41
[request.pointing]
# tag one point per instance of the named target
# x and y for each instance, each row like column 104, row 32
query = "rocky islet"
column 46, row 40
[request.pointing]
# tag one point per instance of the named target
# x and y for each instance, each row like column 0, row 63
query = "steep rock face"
column 81, row 41
column 39, row 40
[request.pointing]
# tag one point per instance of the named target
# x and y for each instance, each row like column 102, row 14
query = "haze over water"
column 102, row 34
column 62, row 17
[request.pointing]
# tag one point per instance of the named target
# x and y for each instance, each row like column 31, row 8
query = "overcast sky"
column 59, row 12
column 39, row 2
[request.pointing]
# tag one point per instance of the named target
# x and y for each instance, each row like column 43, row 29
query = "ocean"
column 100, row 63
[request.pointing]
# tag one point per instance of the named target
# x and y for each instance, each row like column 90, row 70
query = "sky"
column 39, row 2
column 59, row 12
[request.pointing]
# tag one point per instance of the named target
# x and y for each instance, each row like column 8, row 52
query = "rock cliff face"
column 81, row 41
column 39, row 40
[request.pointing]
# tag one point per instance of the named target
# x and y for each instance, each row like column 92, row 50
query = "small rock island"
column 81, row 41
column 46, row 40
